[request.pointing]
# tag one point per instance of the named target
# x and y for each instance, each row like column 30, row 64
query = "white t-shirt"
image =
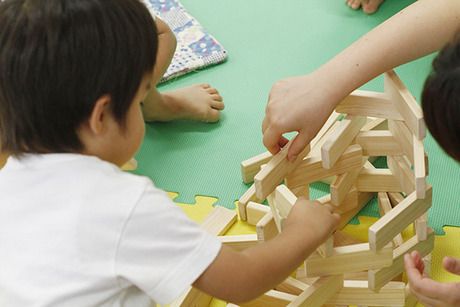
column 77, row 231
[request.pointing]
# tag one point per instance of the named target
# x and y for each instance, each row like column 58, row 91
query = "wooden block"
column 385, row 207
column 285, row 199
column 363, row 199
column 340, row 140
column 405, row 103
column 292, row 286
column 239, row 242
column 251, row 166
column 378, row 143
column 367, row 103
column 377, row 180
column 327, row 248
column 279, row 220
column 403, row 136
column 375, row 124
column 343, row 239
column 421, row 227
column 419, row 168
column 395, row 221
column 131, row 165
column 319, row 292
column 402, row 171
column 378, row 278
column 316, row 148
column 311, row 169
column 266, row 228
column 255, row 211
column 271, row 298
column 330, row 122
column 341, row 186
column 219, row 220
column 302, row 191
column 395, row 198
column 249, row 195
column 352, row 258
column 356, row 292
column 275, row 171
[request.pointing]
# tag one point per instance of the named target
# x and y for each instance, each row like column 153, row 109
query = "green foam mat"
column 268, row 40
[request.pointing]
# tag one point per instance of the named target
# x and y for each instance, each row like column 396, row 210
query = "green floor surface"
column 268, row 40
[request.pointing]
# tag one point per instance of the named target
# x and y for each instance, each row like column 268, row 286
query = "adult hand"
column 429, row 292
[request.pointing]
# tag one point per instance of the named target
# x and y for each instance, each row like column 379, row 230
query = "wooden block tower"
column 341, row 272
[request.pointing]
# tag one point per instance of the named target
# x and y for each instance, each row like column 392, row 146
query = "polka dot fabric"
column 196, row 48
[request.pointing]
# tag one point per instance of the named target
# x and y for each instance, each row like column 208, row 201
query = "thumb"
column 299, row 143
column 451, row 265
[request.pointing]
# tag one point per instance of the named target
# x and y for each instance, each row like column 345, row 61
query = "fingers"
column 271, row 140
column 451, row 265
column 298, row 144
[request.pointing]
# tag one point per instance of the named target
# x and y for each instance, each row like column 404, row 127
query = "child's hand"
column 296, row 104
column 429, row 292
column 311, row 221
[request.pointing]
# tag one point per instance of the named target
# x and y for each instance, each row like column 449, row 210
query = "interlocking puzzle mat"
column 269, row 40
column 196, row 47
column 445, row 245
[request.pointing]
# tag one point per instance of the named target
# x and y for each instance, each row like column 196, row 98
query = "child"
column 199, row 102
column 441, row 109
column 74, row 229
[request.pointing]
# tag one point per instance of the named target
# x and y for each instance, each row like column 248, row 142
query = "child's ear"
column 100, row 114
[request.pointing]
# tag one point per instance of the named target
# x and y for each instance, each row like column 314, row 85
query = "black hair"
column 441, row 99
column 58, row 57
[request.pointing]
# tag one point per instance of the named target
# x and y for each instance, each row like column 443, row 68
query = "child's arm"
column 303, row 103
column 241, row 276
column 428, row 291
column 166, row 48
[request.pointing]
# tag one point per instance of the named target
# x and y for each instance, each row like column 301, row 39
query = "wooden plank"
column 279, row 220
column 311, row 169
column 403, row 136
column 251, row 166
column 405, row 103
column 255, row 212
column 395, row 198
column 266, row 228
column 275, row 171
column 362, row 200
column 378, row 278
column 131, row 165
column 356, row 292
column 421, row 227
column 239, row 242
column 330, row 122
column 352, row 258
column 327, row 248
column 219, row 220
column 377, row 180
column 284, row 200
column 249, row 195
column 378, row 143
column 319, row 292
column 367, row 103
column 340, row 140
column 375, row 124
column 385, row 207
column 403, row 173
column 420, row 170
column 341, row 186
column 292, row 286
column 272, row 298
column 192, row 297
column 395, row 221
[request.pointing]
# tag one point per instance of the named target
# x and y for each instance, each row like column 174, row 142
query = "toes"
column 212, row 116
column 217, row 97
column 371, row 6
column 354, row 4
column 218, row 105
column 212, row 90
column 205, row 85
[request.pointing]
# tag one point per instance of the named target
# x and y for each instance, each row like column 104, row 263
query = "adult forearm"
column 418, row 30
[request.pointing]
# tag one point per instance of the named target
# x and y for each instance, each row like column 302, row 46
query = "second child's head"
column 73, row 75
column 441, row 99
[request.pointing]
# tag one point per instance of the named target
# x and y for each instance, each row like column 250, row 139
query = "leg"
column 198, row 102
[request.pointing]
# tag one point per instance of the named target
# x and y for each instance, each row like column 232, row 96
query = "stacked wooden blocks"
column 365, row 125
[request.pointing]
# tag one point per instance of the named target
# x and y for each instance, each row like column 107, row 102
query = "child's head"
column 441, row 99
column 58, row 58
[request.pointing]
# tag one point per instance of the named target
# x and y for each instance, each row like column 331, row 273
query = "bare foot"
column 199, row 102
column 369, row 6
